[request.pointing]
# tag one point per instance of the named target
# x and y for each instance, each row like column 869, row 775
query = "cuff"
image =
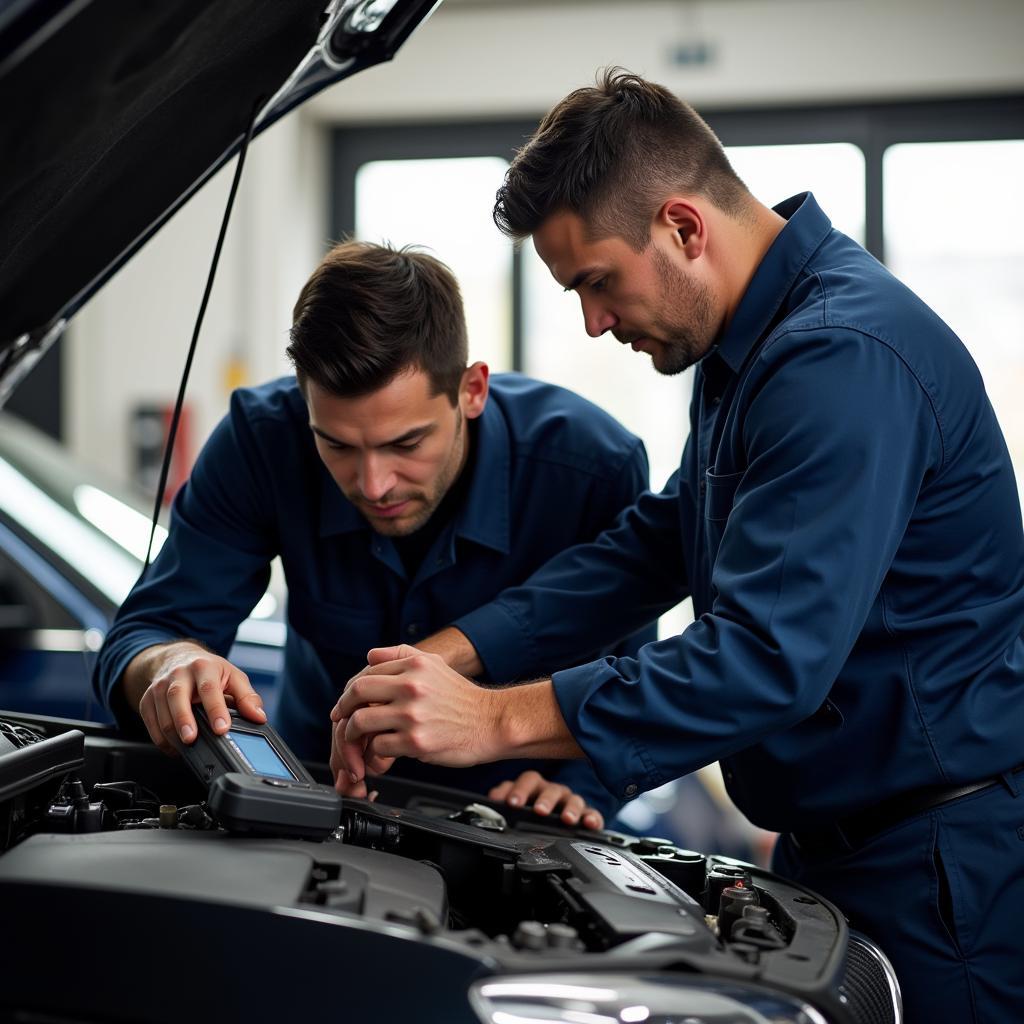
column 620, row 762
column 579, row 776
column 502, row 642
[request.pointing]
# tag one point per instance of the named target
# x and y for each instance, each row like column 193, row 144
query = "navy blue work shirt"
column 550, row 471
column 846, row 519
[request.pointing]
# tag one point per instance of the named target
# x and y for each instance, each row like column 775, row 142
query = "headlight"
column 621, row 999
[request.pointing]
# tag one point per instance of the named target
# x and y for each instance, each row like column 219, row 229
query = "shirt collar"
column 787, row 256
column 484, row 516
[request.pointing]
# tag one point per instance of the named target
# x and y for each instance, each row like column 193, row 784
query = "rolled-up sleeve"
column 838, row 436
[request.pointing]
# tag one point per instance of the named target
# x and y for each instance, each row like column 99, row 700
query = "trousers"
column 942, row 894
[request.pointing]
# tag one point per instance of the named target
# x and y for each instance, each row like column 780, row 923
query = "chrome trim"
column 887, row 969
column 322, row 66
column 594, row 998
column 317, row 66
column 366, row 16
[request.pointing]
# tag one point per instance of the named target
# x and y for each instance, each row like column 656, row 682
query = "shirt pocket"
column 719, row 492
column 337, row 628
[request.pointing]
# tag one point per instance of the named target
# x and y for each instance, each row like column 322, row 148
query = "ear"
column 473, row 389
column 685, row 224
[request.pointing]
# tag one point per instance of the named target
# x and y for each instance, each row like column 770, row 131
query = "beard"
column 681, row 343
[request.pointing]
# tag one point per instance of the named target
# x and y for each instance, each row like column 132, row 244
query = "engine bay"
column 114, row 863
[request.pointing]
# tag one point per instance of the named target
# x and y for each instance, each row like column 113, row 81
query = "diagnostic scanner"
column 256, row 784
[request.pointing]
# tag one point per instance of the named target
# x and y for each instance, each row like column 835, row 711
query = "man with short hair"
column 401, row 489
column 845, row 518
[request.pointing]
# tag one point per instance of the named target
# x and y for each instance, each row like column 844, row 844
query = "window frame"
column 872, row 127
column 353, row 147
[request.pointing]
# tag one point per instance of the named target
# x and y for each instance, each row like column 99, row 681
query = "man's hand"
column 407, row 702
column 163, row 682
column 454, row 647
column 546, row 797
column 373, row 764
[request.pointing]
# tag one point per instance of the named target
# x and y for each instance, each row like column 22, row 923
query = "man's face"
column 395, row 452
column 648, row 300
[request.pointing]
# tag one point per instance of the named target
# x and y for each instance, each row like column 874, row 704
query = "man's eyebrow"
column 581, row 276
column 409, row 435
column 414, row 432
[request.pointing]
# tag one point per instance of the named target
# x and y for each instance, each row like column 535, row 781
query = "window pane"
column 954, row 232
column 445, row 205
column 558, row 349
column 834, row 172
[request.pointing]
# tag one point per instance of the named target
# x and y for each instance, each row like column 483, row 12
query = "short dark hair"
column 371, row 312
column 610, row 154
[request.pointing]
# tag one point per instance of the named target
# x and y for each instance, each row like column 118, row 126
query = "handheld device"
column 256, row 784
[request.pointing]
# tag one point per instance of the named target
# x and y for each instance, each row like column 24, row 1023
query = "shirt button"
column 632, row 789
column 412, row 629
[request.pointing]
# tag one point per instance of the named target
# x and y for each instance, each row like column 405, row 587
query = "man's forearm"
column 529, row 720
column 530, row 723
column 453, row 645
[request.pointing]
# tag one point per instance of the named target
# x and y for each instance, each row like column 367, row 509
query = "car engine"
column 126, row 898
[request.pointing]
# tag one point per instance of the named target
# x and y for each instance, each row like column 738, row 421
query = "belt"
column 848, row 834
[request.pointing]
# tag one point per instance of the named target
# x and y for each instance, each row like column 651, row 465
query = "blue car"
column 71, row 546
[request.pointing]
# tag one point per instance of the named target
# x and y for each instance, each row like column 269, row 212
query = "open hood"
column 114, row 114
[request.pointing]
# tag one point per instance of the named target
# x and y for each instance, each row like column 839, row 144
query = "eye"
column 410, row 446
column 599, row 284
column 334, row 446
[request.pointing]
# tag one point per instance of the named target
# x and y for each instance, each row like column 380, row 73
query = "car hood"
column 116, row 113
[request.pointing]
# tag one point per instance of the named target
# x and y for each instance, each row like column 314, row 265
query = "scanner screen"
column 258, row 752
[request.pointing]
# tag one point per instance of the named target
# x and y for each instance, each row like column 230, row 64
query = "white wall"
column 506, row 58
column 472, row 61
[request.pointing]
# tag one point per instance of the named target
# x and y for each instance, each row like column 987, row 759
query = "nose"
column 376, row 478
column 597, row 318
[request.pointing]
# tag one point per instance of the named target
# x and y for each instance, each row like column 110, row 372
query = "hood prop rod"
column 180, row 401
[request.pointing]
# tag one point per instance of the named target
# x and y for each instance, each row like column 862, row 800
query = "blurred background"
column 904, row 117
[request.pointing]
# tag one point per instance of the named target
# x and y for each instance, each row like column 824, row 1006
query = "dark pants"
column 943, row 896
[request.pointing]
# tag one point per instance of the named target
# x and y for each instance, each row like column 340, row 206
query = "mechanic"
column 846, row 519
column 401, row 488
